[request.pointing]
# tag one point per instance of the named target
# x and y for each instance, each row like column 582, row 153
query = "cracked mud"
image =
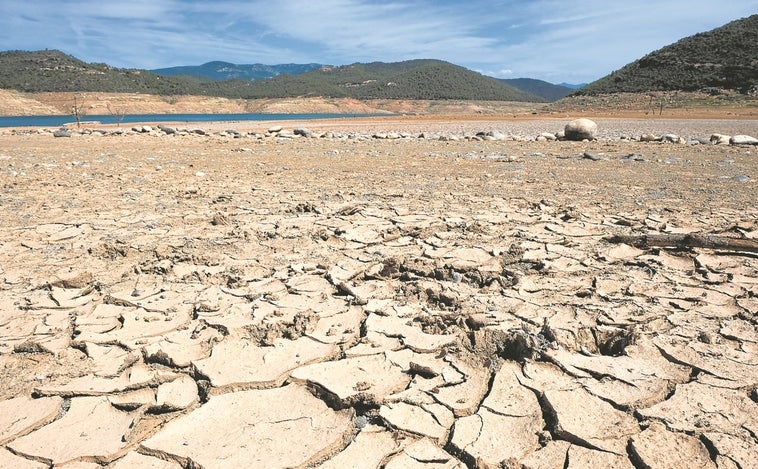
column 225, row 300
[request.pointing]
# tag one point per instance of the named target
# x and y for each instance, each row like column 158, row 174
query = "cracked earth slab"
column 206, row 300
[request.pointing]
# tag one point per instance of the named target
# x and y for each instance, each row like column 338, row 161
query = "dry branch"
column 692, row 240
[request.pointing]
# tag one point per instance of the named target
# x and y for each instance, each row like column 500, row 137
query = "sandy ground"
column 240, row 299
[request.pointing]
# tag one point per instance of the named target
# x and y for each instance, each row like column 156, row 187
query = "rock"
column 302, row 131
column 720, row 139
column 61, row 133
column 592, row 156
column 91, row 428
column 274, row 129
column 743, row 140
column 166, row 129
column 674, row 138
column 657, row 447
column 649, row 138
column 254, row 428
column 548, row 136
column 580, row 129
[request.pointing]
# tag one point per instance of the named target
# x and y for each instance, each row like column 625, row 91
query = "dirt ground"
column 387, row 292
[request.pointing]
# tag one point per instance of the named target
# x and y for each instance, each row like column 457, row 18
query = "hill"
column 228, row 71
column 547, row 91
column 54, row 71
column 723, row 58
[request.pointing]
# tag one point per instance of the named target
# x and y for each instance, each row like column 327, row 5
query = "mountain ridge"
column 722, row 58
column 55, row 71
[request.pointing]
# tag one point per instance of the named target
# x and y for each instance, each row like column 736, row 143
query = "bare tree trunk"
column 692, row 240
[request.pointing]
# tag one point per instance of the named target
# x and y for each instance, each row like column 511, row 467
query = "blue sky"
column 553, row 40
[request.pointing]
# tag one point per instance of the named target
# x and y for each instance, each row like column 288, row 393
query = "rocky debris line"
column 576, row 130
column 449, row 330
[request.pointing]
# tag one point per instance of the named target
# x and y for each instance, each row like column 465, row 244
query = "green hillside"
column 726, row 57
column 50, row 70
column 543, row 89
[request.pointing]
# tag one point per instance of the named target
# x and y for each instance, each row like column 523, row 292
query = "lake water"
column 55, row 121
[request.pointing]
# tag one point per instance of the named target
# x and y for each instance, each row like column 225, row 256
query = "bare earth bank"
column 233, row 300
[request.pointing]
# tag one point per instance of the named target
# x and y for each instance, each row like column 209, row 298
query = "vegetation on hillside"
column 50, row 71
column 547, row 91
column 724, row 58
column 228, row 71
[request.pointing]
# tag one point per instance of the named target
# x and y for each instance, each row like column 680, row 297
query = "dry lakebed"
column 379, row 293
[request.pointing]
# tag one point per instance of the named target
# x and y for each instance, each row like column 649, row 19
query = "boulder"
column 743, row 140
column 720, row 139
column 581, row 129
column 61, row 133
column 649, row 138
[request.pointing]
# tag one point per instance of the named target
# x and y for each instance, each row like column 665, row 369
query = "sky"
column 557, row 41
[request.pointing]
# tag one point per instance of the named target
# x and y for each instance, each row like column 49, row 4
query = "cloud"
column 546, row 39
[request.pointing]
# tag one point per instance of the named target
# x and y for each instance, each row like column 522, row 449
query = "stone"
column 580, row 129
column 91, row 428
column 658, row 448
column 254, row 428
column 302, row 131
column 720, row 139
column 743, row 140
column 61, row 133
column 649, row 138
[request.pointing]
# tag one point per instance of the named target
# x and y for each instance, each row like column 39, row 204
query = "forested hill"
column 724, row 58
column 51, row 70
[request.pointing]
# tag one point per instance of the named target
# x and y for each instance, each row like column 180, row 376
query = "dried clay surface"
column 377, row 293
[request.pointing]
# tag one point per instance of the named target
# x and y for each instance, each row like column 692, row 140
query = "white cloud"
column 546, row 39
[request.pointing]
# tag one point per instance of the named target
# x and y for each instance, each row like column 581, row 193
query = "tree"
column 117, row 114
column 76, row 111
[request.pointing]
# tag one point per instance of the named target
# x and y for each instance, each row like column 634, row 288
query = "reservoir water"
column 55, row 121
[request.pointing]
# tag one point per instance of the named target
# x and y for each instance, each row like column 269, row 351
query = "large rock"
column 580, row 129
column 743, row 140
column 281, row 427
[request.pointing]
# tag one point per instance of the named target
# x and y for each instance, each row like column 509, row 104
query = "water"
column 56, row 121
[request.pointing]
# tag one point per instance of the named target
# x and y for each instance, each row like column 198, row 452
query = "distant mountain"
column 725, row 58
column 547, row 91
column 573, row 86
column 229, row 71
column 52, row 70
column 412, row 79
